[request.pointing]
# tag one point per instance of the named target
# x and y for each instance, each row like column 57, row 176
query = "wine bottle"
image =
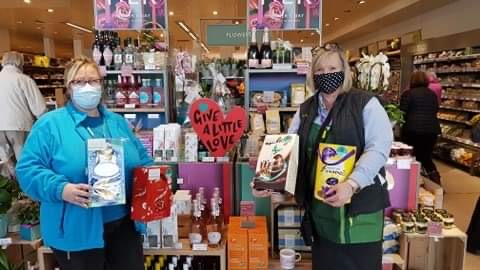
column 118, row 57
column 266, row 51
column 121, row 96
column 129, row 52
column 253, row 53
column 197, row 230
column 214, row 227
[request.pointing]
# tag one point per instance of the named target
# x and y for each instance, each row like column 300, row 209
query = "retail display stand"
column 422, row 252
column 17, row 249
column 46, row 259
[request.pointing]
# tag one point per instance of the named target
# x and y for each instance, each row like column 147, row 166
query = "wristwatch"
column 354, row 185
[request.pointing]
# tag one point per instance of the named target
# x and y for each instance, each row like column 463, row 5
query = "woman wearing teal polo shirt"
column 52, row 170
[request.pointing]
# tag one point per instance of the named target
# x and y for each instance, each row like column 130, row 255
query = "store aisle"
column 461, row 193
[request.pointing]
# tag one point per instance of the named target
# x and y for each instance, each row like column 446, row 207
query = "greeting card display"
column 129, row 14
column 277, row 164
column 217, row 132
column 335, row 163
column 106, row 172
column 151, row 197
column 284, row 14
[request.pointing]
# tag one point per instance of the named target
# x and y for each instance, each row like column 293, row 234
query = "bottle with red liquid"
column 121, row 96
column 133, row 93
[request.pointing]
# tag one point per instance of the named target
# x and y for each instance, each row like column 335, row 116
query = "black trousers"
column 473, row 232
column 423, row 144
column 123, row 251
column 332, row 256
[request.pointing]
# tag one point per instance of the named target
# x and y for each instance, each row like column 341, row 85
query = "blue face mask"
column 87, row 97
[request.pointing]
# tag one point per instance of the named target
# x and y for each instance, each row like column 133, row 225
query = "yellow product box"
column 335, row 163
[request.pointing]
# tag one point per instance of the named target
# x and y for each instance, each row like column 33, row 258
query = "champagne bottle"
column 266, row 51
column 197, row 230
column 253, row 53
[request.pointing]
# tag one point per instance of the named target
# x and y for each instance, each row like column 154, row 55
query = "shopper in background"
column 20, row 103
column 435, row 85
column 473, row 232
column 421, row 127
column 347, row 229
column 52, row 169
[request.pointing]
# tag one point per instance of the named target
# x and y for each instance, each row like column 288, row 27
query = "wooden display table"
column 422, row 252
column 46, row 260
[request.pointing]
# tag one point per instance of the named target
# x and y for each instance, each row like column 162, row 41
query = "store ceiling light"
column 237, row 22
column 171, row 13
column 78, row 27
column 50, row 10
column 327, row 24
column 301, row 40
column 27, row 1
column 20, row 22
column 183, row 26
column 192, row 35
column 361, row 2
column 215, row 12
column 336, row 19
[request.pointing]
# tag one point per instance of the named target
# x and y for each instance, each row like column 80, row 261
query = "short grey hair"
column 13, row 58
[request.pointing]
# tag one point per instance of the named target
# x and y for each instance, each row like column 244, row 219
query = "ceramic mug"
column 288, row 258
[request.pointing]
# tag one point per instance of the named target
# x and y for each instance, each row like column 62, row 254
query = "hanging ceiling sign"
column 227, row 35
column 284, row 14
column 219, row 133
column 130, row 14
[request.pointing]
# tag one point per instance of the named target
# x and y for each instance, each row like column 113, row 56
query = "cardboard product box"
column 184, row 225
column 289, row 216
column 191, row 147
column 277, row 164
column 146, row 138
column 173, row 133
column 170, row 229
column 159, row 143
column 153, row 236
column 291, row 238
column 237, row 251
column 151, row 196
column 335, row 163
column 106, row 172
column 258, row 246
column 183, row 202
column 298, row 94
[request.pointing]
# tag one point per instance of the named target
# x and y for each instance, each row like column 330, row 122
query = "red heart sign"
column 218, row 133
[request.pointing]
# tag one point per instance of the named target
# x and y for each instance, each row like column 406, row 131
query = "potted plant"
column 5, row 264
column 395, row 114
column 28, row 214
column 8, row 189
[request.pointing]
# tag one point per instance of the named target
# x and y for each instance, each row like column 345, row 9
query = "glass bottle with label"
column 197, row 229
column 121, row 96
column 129, row 52
column 214, row 227
column 266, row 51
column 253, row 53
column 118, row 57
column 137, row 56
column 218, row 198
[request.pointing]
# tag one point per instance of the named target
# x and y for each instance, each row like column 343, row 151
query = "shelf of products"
column 459, row 73
column 136, row 76
column 461, row 140
column 137, row 110
column 281, row 109
column 49, row 80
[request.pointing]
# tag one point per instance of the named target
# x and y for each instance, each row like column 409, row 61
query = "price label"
column 127, row 71
column 223, row 159
column 129, row 106
column 247, row 208
column 208, row 159
column 200, row 247
column 153, row 116
column 434, row 229
column 404, row 164
column 179, row 181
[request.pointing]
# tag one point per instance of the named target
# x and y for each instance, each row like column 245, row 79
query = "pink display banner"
column 284, row 14
column 130, row 14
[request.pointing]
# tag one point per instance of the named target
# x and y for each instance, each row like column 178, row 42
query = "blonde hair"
column 72, row 68
column 13, row 58
column 320, row 55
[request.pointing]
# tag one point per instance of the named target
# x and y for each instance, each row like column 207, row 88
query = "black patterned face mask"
column 328, row 82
